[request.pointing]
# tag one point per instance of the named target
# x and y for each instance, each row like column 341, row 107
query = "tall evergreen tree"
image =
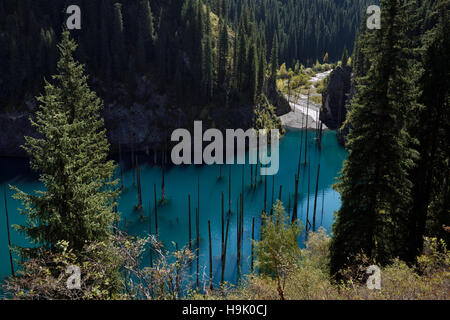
column 374, row 185
column 274, row 60
column 146, row 27
column 118, row 41
column 431, row 191
column 344, row 58
column 207, row 59
column 262, row 64
column 222, row 53
column 252, row 71
column 71, row 157
column 241, row 57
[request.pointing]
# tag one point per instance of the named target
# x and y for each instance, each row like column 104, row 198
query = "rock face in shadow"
column 282, row 106
column 145, row 124
column 13, row 129
column 335, row 100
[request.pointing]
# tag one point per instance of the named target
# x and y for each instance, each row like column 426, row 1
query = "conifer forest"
column 216, row 150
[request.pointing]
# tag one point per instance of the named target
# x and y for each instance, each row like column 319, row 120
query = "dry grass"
column 429, row 279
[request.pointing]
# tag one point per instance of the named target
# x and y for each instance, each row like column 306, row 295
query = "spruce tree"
column 262, row 64
column 76, row 204
column 241, row 57
column 252, row 71
column 118, row 41
column 344, row 57
column 146, row 28
column 222, row 53
column 374, row 185
column 431, row 191
column 274, row 60
column 207, row 59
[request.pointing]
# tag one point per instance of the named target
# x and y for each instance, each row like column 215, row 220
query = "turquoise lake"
column 183, row 180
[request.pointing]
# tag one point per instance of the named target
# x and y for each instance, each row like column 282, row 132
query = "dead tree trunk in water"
column 300, row 153
column 251, row 176
column 210, row 257
column 306, row 132
column 156, row 213
column 296, row 178
column 243, row 189
column 225, row 251
column 323, row 203
column 238, row 230
column 139, row 190
column 198, row 195
column 229, row 190
column 222, row 220
column 197, row 222
column 150, row 232
column 242, row 222
column 133, row 166
column 163, row 181
column 320, row 134
column 294, row 212
column 315, row 199
column 253, row 239
column 190, row 232
column 9, row 234
column 307, row 202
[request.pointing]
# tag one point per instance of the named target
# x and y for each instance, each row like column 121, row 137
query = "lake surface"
column 182, row 181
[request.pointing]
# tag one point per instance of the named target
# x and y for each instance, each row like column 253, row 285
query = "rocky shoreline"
column 333, row 111
column 302, row 109
column 336, row 97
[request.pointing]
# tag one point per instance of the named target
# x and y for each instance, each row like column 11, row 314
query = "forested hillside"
column 139, row 68
column 394, row 185
column 306, row 29
column 223, row 60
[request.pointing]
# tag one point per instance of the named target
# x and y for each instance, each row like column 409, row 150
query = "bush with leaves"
column 166, row 279
column 278, row 251
column 43, row 277
column 264, row 116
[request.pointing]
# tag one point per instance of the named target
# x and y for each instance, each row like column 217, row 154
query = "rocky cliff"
column 145, row 124
column 335, row 99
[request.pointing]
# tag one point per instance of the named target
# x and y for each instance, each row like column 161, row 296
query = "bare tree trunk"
column 210, row 257
column 190, row 228
column 253, row 239
column 225, row 251
column 9, row 234
column 315, row 199
column 156, row 213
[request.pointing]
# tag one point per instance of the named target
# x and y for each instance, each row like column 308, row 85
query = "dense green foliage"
column 309, row 278
column 278, row 251
column 215, row 50
column 394, row 187
column 392, row 193
column 306, row 29
column 70, row 155
column 431, row 127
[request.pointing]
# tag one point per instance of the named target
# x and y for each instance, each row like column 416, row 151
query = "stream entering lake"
column 182, row 181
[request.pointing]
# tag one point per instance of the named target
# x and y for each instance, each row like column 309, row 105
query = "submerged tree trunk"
column 9, row 235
